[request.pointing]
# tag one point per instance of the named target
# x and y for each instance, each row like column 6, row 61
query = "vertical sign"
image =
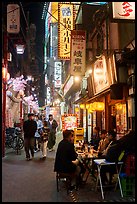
column 13, row 18
column 48, row 95
column 123, row 10
column 57, row 74
column 100, row 75
column 65, row 25
column 78, row 52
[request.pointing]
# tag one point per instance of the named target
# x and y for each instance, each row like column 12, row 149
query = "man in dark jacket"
column 66, row 159
column 52, row 124
column 29, row 128
column 65, row 154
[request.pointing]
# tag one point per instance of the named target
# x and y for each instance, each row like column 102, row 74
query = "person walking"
column 52, row 124
column 37, row 134
column 44, row 139
column 29, row 128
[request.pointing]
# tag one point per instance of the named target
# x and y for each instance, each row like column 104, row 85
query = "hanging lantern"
column 76, row 109
column 8, row 76
column 98, row 106
column 87, row 106
column 92, row 107
column 82, row 106
column 4, row 73
column 119, row 106
column 90, row 110
column 20, row 48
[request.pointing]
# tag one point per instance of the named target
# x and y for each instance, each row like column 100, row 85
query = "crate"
column 78, row 134
column 127, row 184
column 130, row 165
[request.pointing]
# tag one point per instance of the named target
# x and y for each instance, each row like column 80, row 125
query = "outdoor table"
column 102, row 162
column 86, row 159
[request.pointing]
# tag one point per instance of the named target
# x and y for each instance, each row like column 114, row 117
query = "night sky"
column 35, row 12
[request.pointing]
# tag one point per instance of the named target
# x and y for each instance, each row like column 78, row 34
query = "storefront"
column 108, row 106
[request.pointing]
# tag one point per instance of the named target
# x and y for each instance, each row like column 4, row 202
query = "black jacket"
column 64, row 156
column 125, row 143
column 53, row 126
column 29, row 128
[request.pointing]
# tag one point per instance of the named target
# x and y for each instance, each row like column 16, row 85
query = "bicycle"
column 9, row 133
column 18, row 141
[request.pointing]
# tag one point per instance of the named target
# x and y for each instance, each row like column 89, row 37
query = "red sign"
column 69, row 121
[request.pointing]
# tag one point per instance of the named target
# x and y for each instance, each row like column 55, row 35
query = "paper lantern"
column 82, row 106
column 98, row 106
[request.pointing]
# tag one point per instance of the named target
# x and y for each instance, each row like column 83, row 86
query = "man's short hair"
column 67, row 133
column 50, row 115
column 103, row 132
column 112, row 133
column 30, row 114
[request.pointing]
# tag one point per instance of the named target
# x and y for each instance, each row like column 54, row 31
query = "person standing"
column 29, row 128
column 37, row 134
column 52, row 124
column 44, row 139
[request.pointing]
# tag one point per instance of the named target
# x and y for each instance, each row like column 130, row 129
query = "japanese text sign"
column 66, row 24
column 13, row 18
column 123, row 10
column 57, row 74
column 78, row 52
column 100, row 75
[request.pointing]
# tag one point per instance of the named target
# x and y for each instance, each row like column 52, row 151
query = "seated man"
column 112, row 140
column 66, row 158
column 103, row 143
column 114, row 150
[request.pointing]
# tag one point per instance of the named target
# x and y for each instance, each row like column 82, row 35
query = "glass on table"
column 91, row 150
column 86, row 148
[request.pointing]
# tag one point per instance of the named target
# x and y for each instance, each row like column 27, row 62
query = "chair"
column 103, row 162
column 67, row 176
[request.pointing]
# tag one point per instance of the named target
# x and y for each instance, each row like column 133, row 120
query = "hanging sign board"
column 65, row 25
column 78, row 52
column 123, row 10
column 13, row 18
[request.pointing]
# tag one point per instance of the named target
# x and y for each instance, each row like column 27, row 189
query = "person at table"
column 111, row 139
column 111, row 170
column 66, row 158
column 95, row 138
column 103, row 143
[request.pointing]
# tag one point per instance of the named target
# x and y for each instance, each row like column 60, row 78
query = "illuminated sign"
column 48, row 95
column 69, row 121
column 96, row 3
column 57, row 74
column 47, row 21
column 66, row 24
column 100, row 75
column 123, row 10
column 13, row 18
column 78, row 52
column 68, row 84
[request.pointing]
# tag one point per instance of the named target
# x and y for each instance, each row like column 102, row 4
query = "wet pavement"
column 35, row 181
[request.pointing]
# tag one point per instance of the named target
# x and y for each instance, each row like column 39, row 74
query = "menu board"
column 69, row 121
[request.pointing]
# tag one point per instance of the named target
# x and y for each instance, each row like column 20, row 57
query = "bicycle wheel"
column 9, row 141
column 18, row 143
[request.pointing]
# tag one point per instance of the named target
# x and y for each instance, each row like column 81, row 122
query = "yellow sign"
column 66, row 24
